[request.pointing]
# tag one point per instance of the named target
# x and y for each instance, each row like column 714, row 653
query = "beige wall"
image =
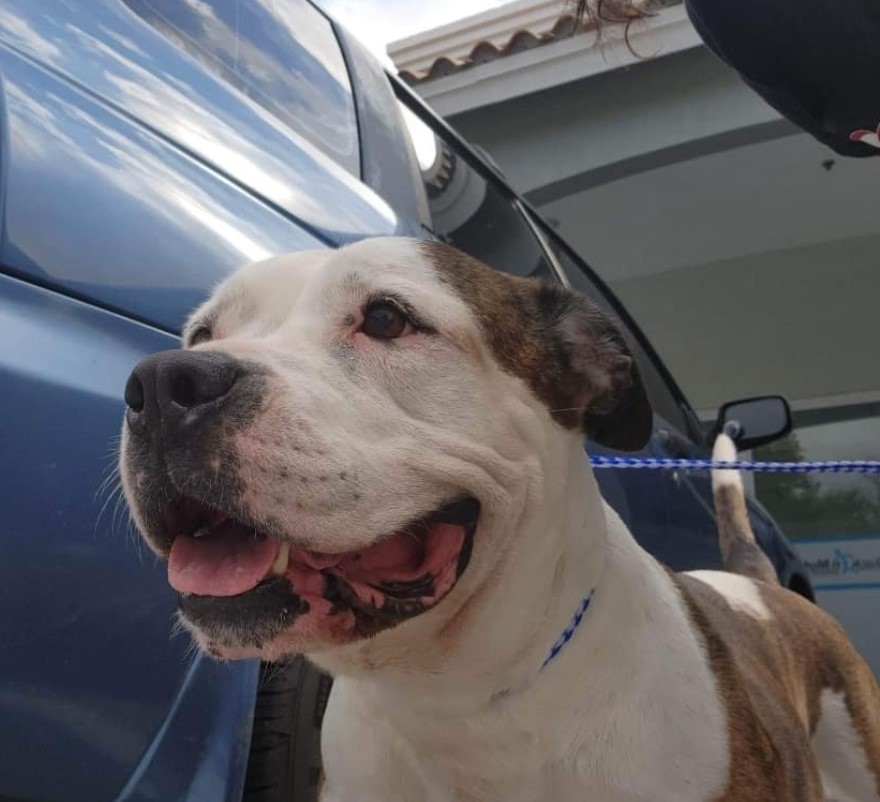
column 803, row 322
column 753, row 270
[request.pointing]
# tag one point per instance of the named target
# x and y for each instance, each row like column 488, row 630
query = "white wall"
column 716, row 221
column 802, row 322
column 753, row 270
column 580, row 134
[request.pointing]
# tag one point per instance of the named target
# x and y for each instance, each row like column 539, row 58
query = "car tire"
column 285, row 758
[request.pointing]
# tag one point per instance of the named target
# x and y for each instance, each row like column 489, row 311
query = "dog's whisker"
column 179, row 627
column 111, row 475
column 117, row 508
column 112, row 495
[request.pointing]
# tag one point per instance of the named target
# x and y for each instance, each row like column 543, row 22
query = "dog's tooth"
column 201, row 531
column 280, row 564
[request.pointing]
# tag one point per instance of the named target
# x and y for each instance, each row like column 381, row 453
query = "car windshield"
column 282, row 55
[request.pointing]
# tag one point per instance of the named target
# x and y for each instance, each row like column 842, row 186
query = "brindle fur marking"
column 771, row 675
column 567, row 350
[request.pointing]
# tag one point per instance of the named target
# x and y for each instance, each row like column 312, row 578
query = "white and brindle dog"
column 374, row 457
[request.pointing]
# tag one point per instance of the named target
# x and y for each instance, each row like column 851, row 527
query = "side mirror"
column 754, row 422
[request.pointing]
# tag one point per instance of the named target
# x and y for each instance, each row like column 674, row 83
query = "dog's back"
column 798, row 695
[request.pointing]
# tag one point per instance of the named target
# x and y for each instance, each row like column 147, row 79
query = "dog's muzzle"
column 244, row 583
column 184, row 409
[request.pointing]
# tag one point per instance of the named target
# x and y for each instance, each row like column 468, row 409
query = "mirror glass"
column 759, row 420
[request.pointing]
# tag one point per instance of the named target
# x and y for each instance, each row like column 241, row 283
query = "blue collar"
column 560, row 644
column 568, row 632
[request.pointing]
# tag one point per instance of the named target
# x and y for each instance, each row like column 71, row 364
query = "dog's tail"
column 740, row 552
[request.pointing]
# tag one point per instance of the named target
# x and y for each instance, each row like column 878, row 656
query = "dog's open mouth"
column 232, row 578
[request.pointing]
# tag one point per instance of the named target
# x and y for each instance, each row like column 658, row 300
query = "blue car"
column 147, row 149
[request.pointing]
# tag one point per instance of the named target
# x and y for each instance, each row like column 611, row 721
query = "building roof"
column 500, row 32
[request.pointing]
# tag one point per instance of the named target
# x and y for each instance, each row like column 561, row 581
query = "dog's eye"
column 384, row 321
column 201, row 334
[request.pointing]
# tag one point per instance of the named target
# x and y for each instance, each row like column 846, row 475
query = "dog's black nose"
column 166, row 385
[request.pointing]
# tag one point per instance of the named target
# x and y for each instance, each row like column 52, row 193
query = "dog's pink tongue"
column 225, row 562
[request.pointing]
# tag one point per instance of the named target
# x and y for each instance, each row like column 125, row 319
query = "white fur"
column 742, row 593
column 840, row 753
column 356, row 432
column 724, row 450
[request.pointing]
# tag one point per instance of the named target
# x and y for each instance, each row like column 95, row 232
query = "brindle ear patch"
column 598, row 376
column 568, row 350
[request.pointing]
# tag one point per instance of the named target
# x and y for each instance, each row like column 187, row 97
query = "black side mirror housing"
column 753, row 422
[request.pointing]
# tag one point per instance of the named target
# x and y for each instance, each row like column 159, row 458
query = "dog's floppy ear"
column 568, row 350
column 589, row 375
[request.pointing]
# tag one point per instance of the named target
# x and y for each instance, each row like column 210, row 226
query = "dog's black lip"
column 261, row 613
column 462, row 512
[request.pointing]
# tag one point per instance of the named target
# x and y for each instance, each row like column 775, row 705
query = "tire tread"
column 285, row 759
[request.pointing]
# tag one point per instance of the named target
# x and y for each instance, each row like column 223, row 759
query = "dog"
column 374, row 457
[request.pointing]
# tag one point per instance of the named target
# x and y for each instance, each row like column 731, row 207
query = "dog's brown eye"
column 384, row 321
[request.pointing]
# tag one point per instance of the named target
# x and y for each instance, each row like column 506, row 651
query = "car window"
column 663, row 398
column 825, row 506
column 472, row 212
column 282, row 54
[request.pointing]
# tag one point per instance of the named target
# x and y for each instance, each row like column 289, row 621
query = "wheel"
column 285, row 758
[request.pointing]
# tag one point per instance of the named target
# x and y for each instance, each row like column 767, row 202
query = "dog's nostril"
column 171, row 382
column 134, row 394
column 196, row 379
column 184, row 391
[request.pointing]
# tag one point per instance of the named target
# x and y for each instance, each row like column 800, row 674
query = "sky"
column 378, row 22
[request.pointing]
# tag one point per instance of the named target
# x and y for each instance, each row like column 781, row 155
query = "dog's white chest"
column 467, row 761
column 623, row 751
column 631, row 713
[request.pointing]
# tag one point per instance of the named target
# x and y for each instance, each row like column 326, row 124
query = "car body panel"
column 388, row 160
column 89, row 674
column 639, row 498
column 136, row 224
column 104, row 47
column 201, row 750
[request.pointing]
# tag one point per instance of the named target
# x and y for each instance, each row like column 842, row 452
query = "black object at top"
column 817, row 62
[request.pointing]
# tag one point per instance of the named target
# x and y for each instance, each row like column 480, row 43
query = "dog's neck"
column 559, row 562
column 499, row 640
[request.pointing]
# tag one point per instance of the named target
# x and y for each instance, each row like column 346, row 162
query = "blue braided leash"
column 668, row 463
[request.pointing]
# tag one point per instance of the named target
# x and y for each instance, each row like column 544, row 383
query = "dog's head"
column 345, row 435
